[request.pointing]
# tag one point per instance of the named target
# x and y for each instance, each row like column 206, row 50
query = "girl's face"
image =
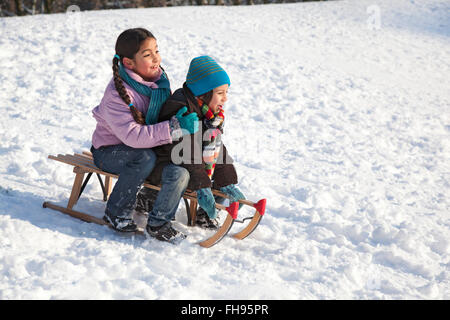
column 219, row 97
column 146, row 61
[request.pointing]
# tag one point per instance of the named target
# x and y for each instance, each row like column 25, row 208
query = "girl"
column 127, row 129
column 204, row 93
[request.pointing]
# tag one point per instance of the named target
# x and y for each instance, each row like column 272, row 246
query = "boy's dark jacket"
column 224, row 173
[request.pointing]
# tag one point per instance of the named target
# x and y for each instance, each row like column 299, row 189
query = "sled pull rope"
column 243, row 220
column 260, row 206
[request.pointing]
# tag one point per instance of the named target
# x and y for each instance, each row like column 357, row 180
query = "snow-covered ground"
column 338, row 114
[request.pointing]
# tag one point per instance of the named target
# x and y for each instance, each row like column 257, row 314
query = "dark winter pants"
column 133, row 166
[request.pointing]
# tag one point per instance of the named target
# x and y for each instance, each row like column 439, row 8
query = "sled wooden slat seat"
column 83, row 164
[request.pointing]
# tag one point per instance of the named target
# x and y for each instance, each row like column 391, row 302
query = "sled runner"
column 83, row 164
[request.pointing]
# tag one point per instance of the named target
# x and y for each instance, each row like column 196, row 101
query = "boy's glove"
column 234, row 193
column 206, row 201
column 189, row 122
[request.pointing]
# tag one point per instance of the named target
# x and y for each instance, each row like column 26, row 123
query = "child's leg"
column 133, row 166
column 145, row 199
column 174, row 182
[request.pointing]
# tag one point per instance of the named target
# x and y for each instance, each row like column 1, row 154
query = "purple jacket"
column 116, row 125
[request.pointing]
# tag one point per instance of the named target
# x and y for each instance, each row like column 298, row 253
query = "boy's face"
column 219, row 97
column 146, row 61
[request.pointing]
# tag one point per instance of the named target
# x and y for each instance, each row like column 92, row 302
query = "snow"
column 338, row 114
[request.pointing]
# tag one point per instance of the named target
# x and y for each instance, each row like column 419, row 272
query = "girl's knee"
column 184, row 175
column 149, row 156
column 181, row 174
column 145, row 160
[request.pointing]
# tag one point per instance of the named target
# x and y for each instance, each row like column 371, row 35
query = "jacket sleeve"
column 122, row 124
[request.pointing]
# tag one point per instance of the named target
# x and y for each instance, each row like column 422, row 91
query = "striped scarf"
column 212, row 140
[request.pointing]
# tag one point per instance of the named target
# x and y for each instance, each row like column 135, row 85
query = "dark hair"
column 206, row 97
column 127, row 45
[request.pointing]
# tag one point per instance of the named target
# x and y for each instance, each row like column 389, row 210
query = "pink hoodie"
column 116, row 125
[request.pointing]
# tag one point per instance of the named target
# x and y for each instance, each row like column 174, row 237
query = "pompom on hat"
column 204, row 75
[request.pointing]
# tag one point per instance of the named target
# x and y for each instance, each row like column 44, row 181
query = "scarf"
column 212, row 138
column 158, row 95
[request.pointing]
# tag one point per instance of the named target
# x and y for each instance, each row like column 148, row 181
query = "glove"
column 206, row 202
column 234, row 193
column 189, row 122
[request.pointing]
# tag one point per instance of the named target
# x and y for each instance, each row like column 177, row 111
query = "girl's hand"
column 189, row 122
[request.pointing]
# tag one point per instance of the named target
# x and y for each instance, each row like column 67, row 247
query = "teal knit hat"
column 204, row 75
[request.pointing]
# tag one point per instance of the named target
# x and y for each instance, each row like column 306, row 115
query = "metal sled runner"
column 84, row 168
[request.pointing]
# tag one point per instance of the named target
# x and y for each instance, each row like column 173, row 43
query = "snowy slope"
column 338, row 114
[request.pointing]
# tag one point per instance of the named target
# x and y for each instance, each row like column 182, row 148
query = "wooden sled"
column 84, row 168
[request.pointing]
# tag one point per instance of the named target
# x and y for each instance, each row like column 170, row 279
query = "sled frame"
column 84, row 168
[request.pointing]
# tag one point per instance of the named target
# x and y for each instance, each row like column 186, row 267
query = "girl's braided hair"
column 127, row 45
